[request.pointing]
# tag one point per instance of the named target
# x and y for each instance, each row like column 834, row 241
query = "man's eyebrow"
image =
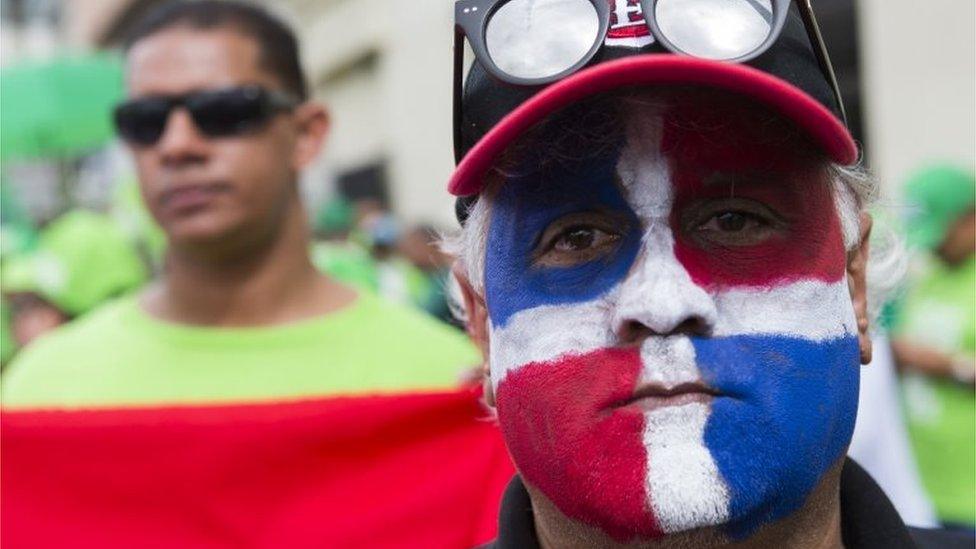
column 719, row 180
column 737, row 179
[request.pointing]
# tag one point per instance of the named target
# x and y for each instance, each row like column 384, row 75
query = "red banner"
column 418, row 470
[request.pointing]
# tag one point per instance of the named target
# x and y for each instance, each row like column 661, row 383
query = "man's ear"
column 476, row 324
column 313, row 127
column 857, row 267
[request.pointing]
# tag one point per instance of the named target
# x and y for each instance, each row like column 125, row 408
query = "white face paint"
column 642, row 400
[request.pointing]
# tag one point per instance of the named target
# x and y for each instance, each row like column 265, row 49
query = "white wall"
column 399, row 110
column 919, row 67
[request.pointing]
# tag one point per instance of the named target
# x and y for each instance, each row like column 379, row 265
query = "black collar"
column 868, row 519
column 516, row 525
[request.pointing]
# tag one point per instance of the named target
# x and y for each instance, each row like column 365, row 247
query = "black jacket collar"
column 868, row 519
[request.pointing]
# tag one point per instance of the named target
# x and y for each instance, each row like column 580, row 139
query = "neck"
column 816, row 525
column 264, row 281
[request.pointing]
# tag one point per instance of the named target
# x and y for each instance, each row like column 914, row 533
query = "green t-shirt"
column 120, row 356
column 939, row 311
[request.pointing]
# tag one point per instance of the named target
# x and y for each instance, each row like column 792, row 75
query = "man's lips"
column 185, row 197
column 650, row 396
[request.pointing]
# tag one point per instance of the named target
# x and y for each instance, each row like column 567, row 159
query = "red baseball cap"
column 787, row 78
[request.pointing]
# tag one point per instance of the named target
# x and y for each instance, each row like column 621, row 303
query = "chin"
column 203, row 231
column 748, row 457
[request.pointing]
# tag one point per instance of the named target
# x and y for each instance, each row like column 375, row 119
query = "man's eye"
column 732, row 222
column 577, row 239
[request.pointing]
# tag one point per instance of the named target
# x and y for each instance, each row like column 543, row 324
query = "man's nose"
column 181, row 141
column 659, row 297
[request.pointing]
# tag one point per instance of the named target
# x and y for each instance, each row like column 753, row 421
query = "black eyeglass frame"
column 271, row 102
column 471, row 19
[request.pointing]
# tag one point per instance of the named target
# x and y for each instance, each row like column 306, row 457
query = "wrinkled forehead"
column 656, row 145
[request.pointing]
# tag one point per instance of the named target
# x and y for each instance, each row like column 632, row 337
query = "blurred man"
column 17, row 236
column 420, row 246
column 335, row 253
column 935, row 339
column 218, row 120
column 664, row 263
column 243, row 398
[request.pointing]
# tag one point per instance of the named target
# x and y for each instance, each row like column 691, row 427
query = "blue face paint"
column 787, row 417
column 524, row 207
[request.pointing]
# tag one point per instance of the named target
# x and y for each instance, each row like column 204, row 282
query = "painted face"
column 672, row 340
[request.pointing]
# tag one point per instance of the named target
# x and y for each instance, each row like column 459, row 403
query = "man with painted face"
column 663, row 256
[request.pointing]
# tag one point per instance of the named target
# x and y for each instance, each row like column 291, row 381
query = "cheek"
column 147, row 168
column 590, row 461
column 259, row 168
column 788, row 419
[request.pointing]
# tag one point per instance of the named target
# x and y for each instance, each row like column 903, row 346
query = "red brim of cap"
column 656, row 69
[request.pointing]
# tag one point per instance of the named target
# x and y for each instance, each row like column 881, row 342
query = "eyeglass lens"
column 715, row 29
column 216, row 113
column 541, row 38
column 142, row 121
column 223, row 113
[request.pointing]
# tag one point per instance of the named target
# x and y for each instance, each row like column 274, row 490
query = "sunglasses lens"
column 228, row 112
column 715, row 29
column 540, row 38
column 142, row 121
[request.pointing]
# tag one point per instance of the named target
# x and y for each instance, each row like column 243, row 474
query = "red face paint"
column 569, row 443
column 735, row 152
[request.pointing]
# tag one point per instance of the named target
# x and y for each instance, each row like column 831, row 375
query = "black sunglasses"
column 217, row 113
column 735, row 31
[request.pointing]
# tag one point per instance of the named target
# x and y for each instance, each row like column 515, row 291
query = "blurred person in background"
column 81, row 260
column 880, row 443
column 17, row 236
column 934, row 338
column 378, row 255
column 243, row 398
column 219, row 124
column 397, row 278
column 419, row 247
column 335, row 253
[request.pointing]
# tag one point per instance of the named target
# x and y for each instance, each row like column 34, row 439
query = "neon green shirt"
column 940, row 311
column 120, row 356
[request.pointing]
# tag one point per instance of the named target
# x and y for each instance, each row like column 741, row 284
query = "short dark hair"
column 277, row 43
